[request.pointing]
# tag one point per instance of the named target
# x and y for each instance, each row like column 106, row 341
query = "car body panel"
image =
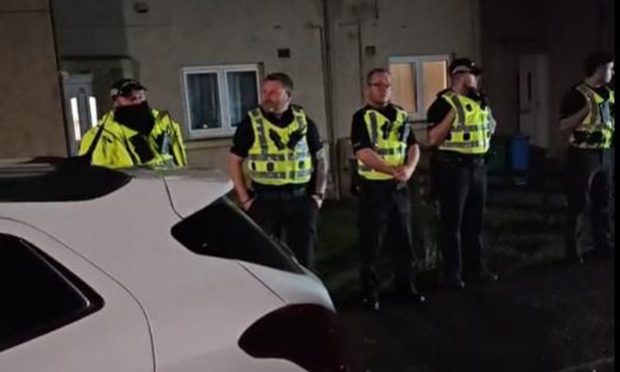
column 197, row 306
column 116, row 337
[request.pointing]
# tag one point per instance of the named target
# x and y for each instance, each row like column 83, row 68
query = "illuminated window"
column 416, row 81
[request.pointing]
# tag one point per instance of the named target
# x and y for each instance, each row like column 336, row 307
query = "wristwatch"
column 319, row 195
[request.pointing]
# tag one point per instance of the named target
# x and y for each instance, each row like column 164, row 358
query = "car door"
column 59, row 312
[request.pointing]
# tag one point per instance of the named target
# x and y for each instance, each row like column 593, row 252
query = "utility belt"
column 455, row 158
column 384, row 185
column 588, row 138
column 281, row 192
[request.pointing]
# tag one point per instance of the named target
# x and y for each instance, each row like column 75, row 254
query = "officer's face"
column 275, row 97
column 608, row 72
column 380, row 89
column 470, row 80
column 135, row 97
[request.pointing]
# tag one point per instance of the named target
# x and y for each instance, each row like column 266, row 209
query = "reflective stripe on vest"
column 273, row 159
column 596, row 129
column 470, row 132
column 388, row 140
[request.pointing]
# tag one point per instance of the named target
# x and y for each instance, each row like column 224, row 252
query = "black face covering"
column 137, row 117
column 477, row 95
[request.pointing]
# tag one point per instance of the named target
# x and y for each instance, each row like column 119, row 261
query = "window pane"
column 204, row 101
column 435, row 79
column 404, row 85
column 242, row 94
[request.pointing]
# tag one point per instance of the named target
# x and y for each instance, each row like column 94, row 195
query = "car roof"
column 67, row 181
column 51, row 179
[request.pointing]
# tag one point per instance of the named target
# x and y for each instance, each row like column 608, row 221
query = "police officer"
column 286, row 164
column 460, row 125
column 134, row 134
column 587, row 112
column 387, row 155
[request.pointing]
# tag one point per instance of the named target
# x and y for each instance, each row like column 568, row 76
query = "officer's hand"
column 247, row 204
column 318, row 200
column 404, row 173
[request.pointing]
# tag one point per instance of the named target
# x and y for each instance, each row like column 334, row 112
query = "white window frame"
column 226, row 130
column 418, row 61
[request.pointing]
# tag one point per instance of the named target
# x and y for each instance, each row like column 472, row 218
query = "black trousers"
column 385, row 220
column 462, row 184
column 292, row 219
column 589, row 182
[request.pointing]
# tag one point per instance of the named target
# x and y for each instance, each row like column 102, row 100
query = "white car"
column 147, row 270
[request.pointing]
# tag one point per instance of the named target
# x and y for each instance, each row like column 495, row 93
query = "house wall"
column 173, row 35
column 31, row 122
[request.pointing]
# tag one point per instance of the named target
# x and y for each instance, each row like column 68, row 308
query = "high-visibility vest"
column 388, row 139
column 470, row 132
column 279, row 156
column 118, row 146
column 597, row 128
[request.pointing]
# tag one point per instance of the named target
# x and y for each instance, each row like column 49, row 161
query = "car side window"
column 222, row 230
column 37, row 294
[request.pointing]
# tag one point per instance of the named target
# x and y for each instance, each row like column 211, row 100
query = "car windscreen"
column 223, row 230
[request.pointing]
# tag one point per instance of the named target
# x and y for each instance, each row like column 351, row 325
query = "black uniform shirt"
column 244, row 138
column 574, row 101
column 360, row 138
column 438, row 110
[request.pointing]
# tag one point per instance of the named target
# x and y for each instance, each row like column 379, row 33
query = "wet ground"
column 543, row 314
column 552, row 318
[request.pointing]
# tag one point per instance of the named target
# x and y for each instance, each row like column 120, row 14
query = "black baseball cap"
column 124, row 87
column 461, row 65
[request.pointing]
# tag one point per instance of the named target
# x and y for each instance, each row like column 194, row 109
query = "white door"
column 81, row 107
column 534, row 118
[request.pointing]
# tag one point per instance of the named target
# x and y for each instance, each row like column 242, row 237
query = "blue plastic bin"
column 520, row 152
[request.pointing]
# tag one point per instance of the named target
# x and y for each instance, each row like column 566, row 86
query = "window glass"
column 223, row 230
column 435, row 80
column 242, row 94
column 38, row 294
column 204, row 101
column 404, row 85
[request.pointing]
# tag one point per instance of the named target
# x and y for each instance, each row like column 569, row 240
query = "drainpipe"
column 325, row 41
column 60, row 77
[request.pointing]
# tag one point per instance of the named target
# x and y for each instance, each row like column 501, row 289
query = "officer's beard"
column 137, row 117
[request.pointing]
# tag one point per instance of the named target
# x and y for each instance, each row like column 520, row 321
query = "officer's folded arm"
column 439, row 132
column 371, row 159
